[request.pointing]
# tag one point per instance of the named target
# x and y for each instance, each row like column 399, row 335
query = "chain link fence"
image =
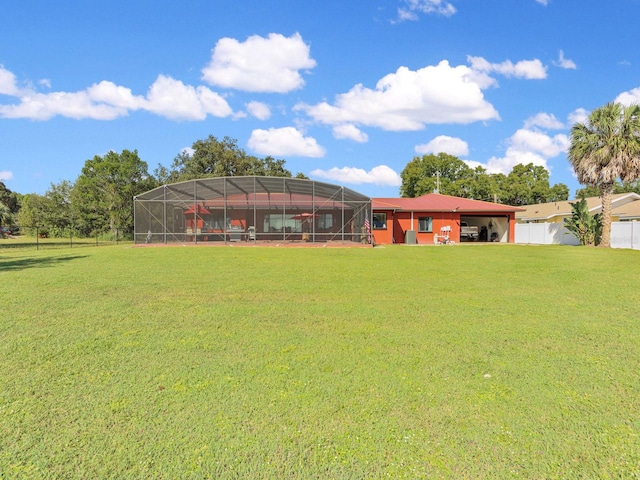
column 38, row 237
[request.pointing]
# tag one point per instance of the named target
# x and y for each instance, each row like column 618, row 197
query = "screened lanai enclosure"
column 251, row 209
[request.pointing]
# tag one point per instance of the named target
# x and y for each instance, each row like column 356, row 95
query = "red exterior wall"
column 383, row 236
column 399, row 222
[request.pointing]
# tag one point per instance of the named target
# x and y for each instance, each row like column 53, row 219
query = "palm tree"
column 604, row 148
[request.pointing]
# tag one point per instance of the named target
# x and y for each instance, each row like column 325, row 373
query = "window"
column 325, row 221
column 425, row 224
column 379, row 221
column 215, row 223
column 278, row 223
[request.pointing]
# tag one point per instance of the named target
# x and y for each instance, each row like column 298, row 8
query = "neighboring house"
column 625, row 207
column 432, row 217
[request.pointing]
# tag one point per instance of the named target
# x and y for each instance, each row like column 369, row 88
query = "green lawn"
column 471, row 361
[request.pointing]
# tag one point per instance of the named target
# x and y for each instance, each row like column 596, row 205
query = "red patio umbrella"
column 304, row 216
column 199, row 210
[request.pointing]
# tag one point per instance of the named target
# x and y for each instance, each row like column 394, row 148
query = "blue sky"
column 346, row 92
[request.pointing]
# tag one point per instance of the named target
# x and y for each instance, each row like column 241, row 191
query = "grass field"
column 472, row 361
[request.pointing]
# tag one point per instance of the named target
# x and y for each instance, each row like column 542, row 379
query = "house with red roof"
column 436, row 218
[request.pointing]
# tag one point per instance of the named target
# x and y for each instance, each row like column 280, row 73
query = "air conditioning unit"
column 410, row 237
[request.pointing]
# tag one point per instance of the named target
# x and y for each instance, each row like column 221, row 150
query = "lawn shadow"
column 30, row 262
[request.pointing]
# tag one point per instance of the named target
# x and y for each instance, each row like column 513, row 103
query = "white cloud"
column 6, row 175
column 286, row 141
column 350, row 132
column 77, row 105
column 259, row 64
column 239, row 114
column 579, row 115
column 40, row 106
column 527, row 69
column 444, row 144
column 544, row 120
column 407, row 100
column 112, row 94
column 512, row 158
column 173, row 99
column 411, row 9
column 629, row 97
column 8, row 84
column 107, row 101
column 472, row 164
column 259, row 110
column 543, row 2
column 565, row 62
column 380, row 175
column 527, row 145
column 525, row 140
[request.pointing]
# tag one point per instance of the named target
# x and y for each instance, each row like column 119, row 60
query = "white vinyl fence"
column 623, row 234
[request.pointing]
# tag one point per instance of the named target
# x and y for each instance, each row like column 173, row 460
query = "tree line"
column 524, row 185
column 99, row 201
column 604, row 153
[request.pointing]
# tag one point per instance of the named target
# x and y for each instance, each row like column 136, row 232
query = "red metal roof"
column 435, row 202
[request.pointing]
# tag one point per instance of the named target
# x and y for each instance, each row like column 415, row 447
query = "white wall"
column 544, row 234
column 623, row 234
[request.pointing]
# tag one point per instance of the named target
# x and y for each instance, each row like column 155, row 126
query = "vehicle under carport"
column 491, row 228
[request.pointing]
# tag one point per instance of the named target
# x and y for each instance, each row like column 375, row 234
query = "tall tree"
column 57, row 214
column 50, row 213
column 9, row 198
column 5, row 215
column 604, row 149
column 8, row 205
column 618, row 187
column 529, row 184
column 31, row 212
column 442, row 172
column 525, row 184
column 587, row 192
column 271, row 167
column 103, row 193
column 218, row 158
column 486, row 187
column 558, row 193
column 212, row 158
